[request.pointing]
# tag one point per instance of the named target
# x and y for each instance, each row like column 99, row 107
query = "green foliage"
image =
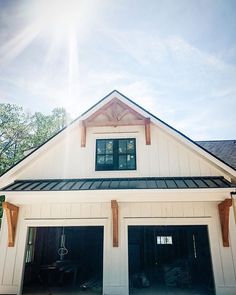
column 20, row 131
column 2, row 199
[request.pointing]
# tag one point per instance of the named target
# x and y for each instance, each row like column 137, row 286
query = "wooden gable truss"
column 115, row 113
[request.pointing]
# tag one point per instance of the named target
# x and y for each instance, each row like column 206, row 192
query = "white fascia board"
column 165, row 195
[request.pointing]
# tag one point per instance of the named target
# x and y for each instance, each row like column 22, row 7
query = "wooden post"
column 83, row 134
column 12, row 216
column 147, row 131
column 224, row 220
column 115, row 230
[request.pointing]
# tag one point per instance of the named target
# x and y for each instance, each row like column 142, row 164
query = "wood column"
column 147, row 131
column 115, row 221
column 224, row 208
column 12, row 216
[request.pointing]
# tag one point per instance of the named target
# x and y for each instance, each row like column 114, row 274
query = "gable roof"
column 115, row 93
column 223, row 149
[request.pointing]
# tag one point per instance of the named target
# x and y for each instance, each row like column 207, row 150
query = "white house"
column 118, row 202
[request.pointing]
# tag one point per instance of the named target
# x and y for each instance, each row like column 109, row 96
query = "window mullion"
column 115, row 154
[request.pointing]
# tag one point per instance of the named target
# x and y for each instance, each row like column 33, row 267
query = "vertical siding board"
column 156, row 210
column 183, row 161
column 164, row 159
column 204, row 168
column 45, row 210
column 177, row 210
column 216, row 257
column 96, row 210
column 105, row 209
column 85, row 210
column 9, row 266
column 154, row 158
column 55, row 210
column 145, row 210
column 135, row 209
column 225, row 252
column 166, row 210
column 194, row 164
column 75, row 210
column 232, row 237
column 173, row 157
column 36, row 211
column 3, row 243
column 188, row 209
column 198, row 209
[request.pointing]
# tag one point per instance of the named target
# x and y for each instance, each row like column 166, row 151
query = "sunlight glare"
column 59, row 16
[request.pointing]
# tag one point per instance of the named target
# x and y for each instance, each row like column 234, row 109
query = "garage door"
column 169, row 260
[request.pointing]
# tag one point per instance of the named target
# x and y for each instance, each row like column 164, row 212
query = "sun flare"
column 59, row 16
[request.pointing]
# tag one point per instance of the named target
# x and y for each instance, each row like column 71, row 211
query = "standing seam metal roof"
column 119, row 184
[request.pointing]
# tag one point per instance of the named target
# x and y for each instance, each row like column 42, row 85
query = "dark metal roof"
column 119, row 183
column 223, row 149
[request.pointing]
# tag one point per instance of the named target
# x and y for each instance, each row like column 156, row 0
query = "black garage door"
column 169, row 260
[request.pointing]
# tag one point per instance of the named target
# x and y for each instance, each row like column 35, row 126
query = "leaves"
column 20, row 131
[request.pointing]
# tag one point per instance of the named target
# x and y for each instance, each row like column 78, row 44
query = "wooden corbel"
column 83, row 134
column 12, row 216
column 147, row 131
column 224, row 208
column 115, row 231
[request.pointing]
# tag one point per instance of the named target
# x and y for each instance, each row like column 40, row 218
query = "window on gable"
column 116, row 154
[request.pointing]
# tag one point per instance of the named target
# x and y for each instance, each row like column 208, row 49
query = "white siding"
column 115, row 259
column 166, row 156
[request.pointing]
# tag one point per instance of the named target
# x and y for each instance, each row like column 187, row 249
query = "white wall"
column 166, row 156
column 115, row 259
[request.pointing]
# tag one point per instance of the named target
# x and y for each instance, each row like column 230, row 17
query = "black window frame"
column 116, row 154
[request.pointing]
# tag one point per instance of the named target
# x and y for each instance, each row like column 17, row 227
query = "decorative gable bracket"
column 115, row 113
column 224, row 209
column 12, row 216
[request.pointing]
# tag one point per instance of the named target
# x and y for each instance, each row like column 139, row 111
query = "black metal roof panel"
column 119, row 183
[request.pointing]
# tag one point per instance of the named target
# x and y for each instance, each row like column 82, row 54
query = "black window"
column 116, row 154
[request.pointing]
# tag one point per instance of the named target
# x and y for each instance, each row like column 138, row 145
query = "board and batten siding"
column 116, row 259
column 166, row 156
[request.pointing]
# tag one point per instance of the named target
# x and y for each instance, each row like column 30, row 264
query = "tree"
column 14, row 134
column 20, row 131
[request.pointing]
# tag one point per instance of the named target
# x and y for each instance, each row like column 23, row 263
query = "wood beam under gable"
column 115, row 113
column 224, row 209
column 83, row 134
column 115, row 223
column 12, row 216
column 148, row 131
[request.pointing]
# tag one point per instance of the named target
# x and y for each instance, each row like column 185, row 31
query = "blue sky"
column 175, row 58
